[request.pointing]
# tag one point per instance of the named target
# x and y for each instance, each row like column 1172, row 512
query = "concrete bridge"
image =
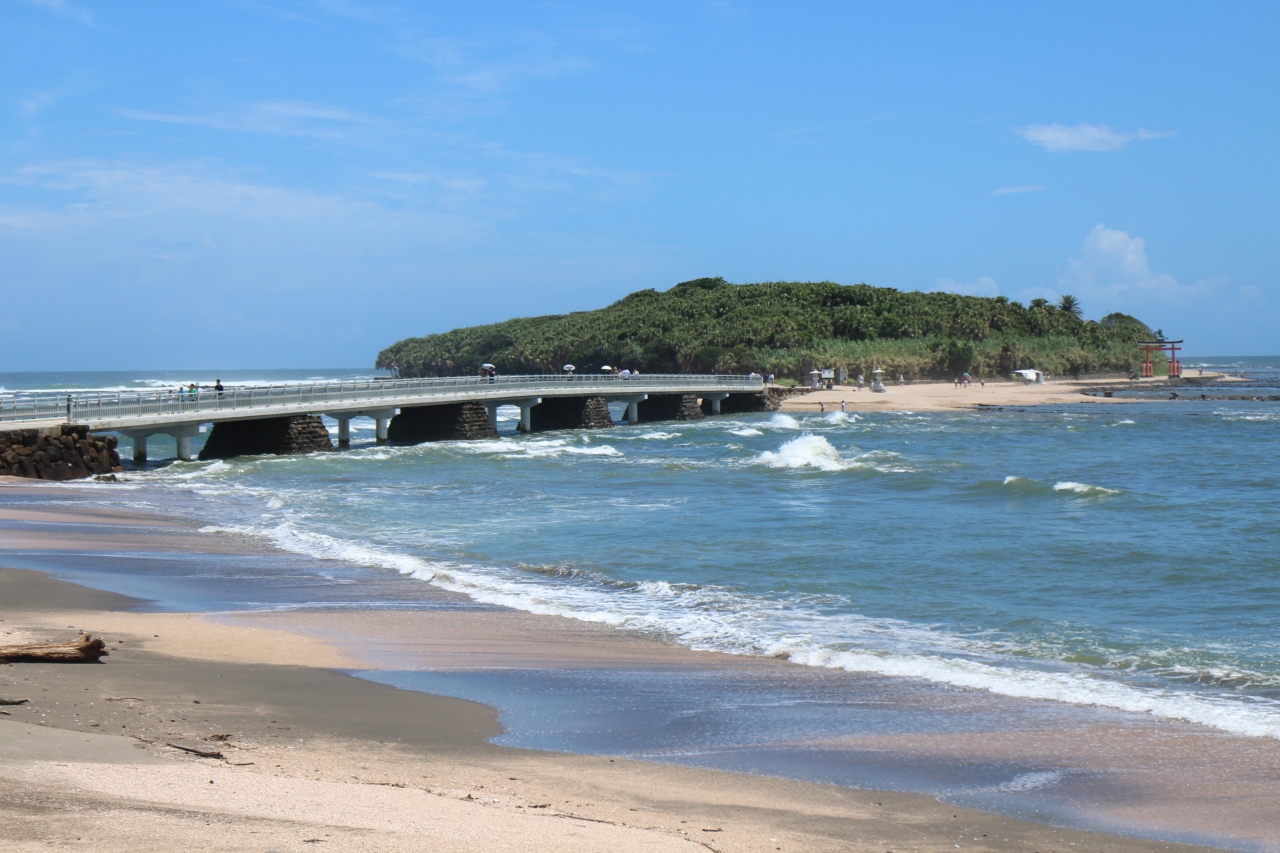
column 421, row 408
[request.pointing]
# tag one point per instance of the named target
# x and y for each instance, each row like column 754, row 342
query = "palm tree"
column 1070, row 304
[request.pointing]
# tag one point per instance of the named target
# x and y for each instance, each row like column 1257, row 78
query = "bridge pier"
column 447, row 422
column 344, row 432
column 526, row 411
column 184, row 434
column 671, row 407
column 491, row 409
column 281, row 436
column 733, row 404
column 714, row 400
column 139, row 450
column 633, row 402
column 382, row 423
column 570, row 413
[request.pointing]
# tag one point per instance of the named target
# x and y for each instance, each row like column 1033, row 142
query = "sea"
column 1120, row 561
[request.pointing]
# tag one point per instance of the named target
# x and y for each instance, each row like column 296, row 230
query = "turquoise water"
column 1122, row 557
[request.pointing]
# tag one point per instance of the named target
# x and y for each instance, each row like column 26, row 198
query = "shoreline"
column 314, row 753
column 434, row 631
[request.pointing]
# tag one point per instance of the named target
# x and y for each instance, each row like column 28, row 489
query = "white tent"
column 1031, row 375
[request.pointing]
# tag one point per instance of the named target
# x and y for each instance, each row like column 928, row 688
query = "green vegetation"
column 710, row 325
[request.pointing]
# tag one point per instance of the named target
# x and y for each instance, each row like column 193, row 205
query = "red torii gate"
column 1172, row 347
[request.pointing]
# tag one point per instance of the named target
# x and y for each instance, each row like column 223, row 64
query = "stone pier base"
column 736, row 404
column 670, row 407
column 279, row 436
column 453, row 422
column 570, row 413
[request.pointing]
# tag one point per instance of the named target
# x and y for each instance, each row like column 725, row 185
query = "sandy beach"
column 309, row 755
column 945, row 396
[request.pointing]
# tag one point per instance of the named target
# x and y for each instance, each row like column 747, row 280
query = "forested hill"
column 787, row 328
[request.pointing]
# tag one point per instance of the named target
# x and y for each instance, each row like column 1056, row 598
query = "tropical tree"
column 1070, row 304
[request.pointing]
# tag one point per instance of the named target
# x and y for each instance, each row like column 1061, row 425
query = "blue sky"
column 294, row 183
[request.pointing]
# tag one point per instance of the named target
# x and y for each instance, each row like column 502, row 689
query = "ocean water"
column 1119, row 557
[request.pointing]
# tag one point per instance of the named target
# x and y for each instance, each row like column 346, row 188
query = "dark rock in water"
column 279, row 436
column 670, row 407
column 570, row 413
column 65, row 452
column 453, row 422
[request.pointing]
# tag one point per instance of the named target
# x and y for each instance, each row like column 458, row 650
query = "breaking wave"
column 714, row 618
column 806, row 451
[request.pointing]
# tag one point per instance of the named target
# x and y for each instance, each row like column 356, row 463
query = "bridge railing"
column 317, row 397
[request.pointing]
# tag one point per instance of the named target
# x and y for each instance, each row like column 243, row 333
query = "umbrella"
column 569, row 368
column 606, row 367
column 487, row 366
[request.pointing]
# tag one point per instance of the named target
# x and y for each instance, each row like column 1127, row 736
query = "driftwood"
column 83, row 649
column 203, row 753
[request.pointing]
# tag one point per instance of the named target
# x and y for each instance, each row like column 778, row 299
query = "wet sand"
column 311, row 755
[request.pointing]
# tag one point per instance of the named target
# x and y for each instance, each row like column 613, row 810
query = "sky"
column 299, row 183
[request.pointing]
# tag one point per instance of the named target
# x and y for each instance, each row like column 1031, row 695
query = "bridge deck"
column 162, row 409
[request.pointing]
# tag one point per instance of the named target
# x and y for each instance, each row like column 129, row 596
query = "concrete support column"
column 633, row 405
column 714, row 400
column 525, row 406
column 382, row 417
column 140, row 450
column 184, row 448
column 491, row 409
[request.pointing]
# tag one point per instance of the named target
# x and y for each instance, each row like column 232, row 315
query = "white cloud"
column 984, row 286
column 1083, row 137
column 1026, row 188
column 1112, row 267
column 278, row 118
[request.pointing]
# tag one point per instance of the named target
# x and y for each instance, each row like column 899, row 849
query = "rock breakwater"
column 69, row 452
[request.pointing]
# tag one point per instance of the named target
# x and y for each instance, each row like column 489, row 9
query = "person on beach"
column 842, row 405
column 822, row 407
column 217, row 386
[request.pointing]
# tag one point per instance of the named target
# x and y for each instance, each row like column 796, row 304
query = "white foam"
column 659, row 436
column 783, row 421
column 1032, row 781
column 714, row 618
column 1083, row 488
column 746, row 431
column 535, row 449
column 806, row 451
